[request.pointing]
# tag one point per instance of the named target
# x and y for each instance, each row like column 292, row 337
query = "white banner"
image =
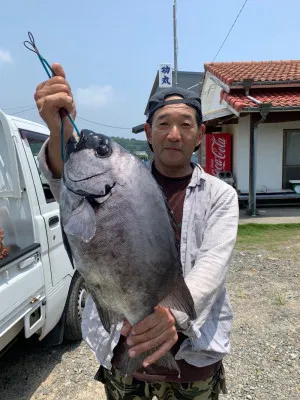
column 165, row 75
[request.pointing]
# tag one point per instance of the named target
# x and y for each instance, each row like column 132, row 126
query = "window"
column 291, row 157
column 36, row 141
column 5, row 178
column 8, row 175
column 292, row 148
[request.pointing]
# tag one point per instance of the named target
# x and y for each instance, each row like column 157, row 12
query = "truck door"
column 49, row 208
column 21, row 273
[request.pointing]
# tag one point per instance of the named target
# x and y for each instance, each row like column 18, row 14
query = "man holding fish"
column 154, row 316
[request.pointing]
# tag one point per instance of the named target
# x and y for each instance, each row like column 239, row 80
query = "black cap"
column 188, row 97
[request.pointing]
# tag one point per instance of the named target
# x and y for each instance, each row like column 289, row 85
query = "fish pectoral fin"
column 67, row 246
column 180, row 299
column 82, row 222
column 107, row 317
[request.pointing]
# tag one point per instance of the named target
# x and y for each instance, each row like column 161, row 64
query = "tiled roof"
column 278, row 98
column 259, row 71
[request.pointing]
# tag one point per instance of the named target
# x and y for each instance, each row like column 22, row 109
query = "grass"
column 241, row 294
column 276, row 238
column 281, row 299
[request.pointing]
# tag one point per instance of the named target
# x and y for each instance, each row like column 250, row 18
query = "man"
column 205, row 210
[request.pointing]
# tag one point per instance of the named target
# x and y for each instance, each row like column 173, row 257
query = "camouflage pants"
column 118, row 387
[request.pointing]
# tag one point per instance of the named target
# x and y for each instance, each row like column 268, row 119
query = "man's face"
column 174, row 134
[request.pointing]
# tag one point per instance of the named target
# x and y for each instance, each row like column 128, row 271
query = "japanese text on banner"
column 165, row 75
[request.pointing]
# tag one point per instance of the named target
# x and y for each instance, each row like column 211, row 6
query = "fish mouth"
column 85, row 179
column 107, row 188
column 87, row 195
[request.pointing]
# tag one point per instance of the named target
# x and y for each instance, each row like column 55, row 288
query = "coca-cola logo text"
column 218, row 149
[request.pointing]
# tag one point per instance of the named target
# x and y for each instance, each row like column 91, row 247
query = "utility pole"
column 175, row 42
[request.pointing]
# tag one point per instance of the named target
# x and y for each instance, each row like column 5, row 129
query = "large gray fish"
column 118, row 230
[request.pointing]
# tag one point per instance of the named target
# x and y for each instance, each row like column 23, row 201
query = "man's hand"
column 51, row 96
column 126, row 328
column 156, row 330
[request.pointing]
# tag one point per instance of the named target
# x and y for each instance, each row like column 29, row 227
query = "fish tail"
column 129, row 365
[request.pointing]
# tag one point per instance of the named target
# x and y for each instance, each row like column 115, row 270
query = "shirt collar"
column 198, row 173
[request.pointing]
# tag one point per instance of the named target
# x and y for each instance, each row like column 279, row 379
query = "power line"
column 84, row 119
column 229, row 31
column 191, row 87
column 20, row 112
column 98, row 123
column 199, row 83
column 14, row 108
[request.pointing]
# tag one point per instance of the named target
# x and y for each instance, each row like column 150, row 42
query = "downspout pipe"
column 247, row 85
column 253, row 99
column 264, row 109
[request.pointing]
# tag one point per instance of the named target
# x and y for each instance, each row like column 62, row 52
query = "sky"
column 111, row 49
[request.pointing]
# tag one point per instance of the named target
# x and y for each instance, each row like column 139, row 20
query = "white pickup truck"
column 40, row 292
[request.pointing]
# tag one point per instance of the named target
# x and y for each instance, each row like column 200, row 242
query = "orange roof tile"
column 259, row 71
column 278, row 98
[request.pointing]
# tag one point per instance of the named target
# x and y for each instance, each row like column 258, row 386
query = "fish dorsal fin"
column 180, row 299
column 82, row 222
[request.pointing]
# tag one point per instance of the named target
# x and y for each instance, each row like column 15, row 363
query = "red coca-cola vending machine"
column 216, row 153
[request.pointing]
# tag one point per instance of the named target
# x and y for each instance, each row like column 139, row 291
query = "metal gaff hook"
column 30, row 45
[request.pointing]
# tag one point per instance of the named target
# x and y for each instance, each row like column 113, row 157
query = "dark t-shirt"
column 174, row 190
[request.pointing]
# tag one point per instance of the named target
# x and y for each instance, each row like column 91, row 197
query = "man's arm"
column 207, row 279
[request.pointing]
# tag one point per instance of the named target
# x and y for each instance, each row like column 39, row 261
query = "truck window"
column 5, row 179
column 35, row 141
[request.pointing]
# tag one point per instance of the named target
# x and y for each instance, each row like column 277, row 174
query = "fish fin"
column 172, row 220
column 82, row 222
column 180, row 299
column 129, row 365
column 67, row 246
column 107, row 317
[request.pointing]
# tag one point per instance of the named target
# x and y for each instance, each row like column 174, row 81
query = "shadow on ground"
column 26, row 365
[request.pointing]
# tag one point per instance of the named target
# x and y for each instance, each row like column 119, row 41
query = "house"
column 185, row 79
column 258, row 105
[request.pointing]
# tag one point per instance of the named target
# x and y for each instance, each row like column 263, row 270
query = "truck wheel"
column 74, row 308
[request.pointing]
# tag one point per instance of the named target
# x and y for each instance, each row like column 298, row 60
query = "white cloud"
column 5, row 57
column 94, row 96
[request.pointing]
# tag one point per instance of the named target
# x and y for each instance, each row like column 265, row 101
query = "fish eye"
column 102, row 150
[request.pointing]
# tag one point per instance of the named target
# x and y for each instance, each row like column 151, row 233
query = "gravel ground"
column 265, row 359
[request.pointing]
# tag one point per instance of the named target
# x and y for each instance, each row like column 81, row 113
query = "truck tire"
column 74, row 308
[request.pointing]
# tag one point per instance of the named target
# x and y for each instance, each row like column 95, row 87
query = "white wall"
column 269, row 153
column 269, row 156
column 240, row 149
column 210, row 99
